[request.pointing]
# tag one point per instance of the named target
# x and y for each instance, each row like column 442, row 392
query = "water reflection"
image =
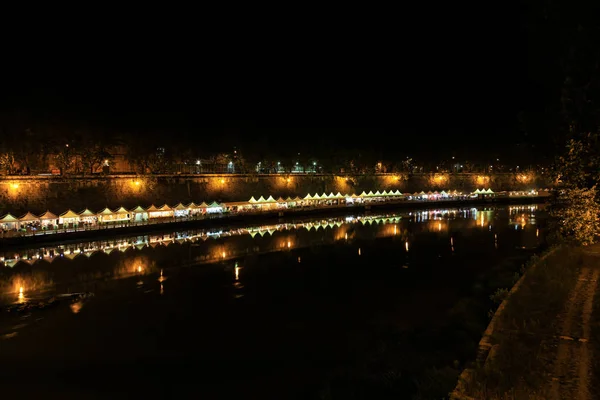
column 45, row 267
column 21, row 297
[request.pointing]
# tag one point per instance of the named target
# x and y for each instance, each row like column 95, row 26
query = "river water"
column 361, row 306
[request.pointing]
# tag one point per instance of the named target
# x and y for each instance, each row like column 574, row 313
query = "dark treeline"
column 486, row 103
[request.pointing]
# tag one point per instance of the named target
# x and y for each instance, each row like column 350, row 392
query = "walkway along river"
column 387, row 303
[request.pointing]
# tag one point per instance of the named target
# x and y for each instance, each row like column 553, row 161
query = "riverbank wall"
column 19, row 194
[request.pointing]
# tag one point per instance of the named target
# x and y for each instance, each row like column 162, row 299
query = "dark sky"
column 451, row 81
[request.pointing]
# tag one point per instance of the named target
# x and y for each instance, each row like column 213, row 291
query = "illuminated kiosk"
column 88, row 217
column 139, row 214
column 49, row 220
column 9, row 222
column 181, row 211
column 214, row 208
column 68, row 218
column 28, row 219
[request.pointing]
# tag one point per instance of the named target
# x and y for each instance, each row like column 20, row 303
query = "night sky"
column 454, row 82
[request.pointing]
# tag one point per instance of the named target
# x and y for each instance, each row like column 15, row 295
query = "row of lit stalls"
column 483, row 193
column 139, row 215
column 70, row 218
column 443, row 195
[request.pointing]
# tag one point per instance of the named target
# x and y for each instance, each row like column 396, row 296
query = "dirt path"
column 572, row 366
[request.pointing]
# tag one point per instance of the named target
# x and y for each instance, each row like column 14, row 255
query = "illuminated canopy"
column 87, row 213
column 180, row 207
column 308, row 197
column 29, row 217
column 397, row 193
column 165, row 207
column 106, row 211
column 376, row 193
column 261, row 200
column 370, row 193
column 9, row 218
column 203, row 205
column 121, row 210
column 152, row 208
column 252, row 200
column 214, row 204
column 271, row 199
column 69, row 215
column 363, row 194
column 192, row 205
column 48, row 215
column 140, row 210
column 339, row 195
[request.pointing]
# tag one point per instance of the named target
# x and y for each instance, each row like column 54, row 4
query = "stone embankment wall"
column 19, row 194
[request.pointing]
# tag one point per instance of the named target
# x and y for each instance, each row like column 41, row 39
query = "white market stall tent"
column 122, row 214
column 166, row 211
column 139, row 214
column 194, row 209
column 28, row 218
column 106, row 216
column 48, row 219
column 214, row 207
column 9, row 222
column 181, row 211
column 69, row 217
column 88, row 216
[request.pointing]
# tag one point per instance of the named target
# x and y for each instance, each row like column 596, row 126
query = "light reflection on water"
column 137, row 255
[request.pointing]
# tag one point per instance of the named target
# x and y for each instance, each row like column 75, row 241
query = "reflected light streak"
column 406, row 245
column 299, row 259
column 439, row 226
column 76, row 307
column 21, row 298
column 537, row 232
column 359, row 251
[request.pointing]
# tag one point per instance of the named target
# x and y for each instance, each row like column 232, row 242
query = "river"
column 371, row 306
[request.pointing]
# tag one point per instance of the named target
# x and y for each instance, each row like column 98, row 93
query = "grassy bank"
column 523, row 339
